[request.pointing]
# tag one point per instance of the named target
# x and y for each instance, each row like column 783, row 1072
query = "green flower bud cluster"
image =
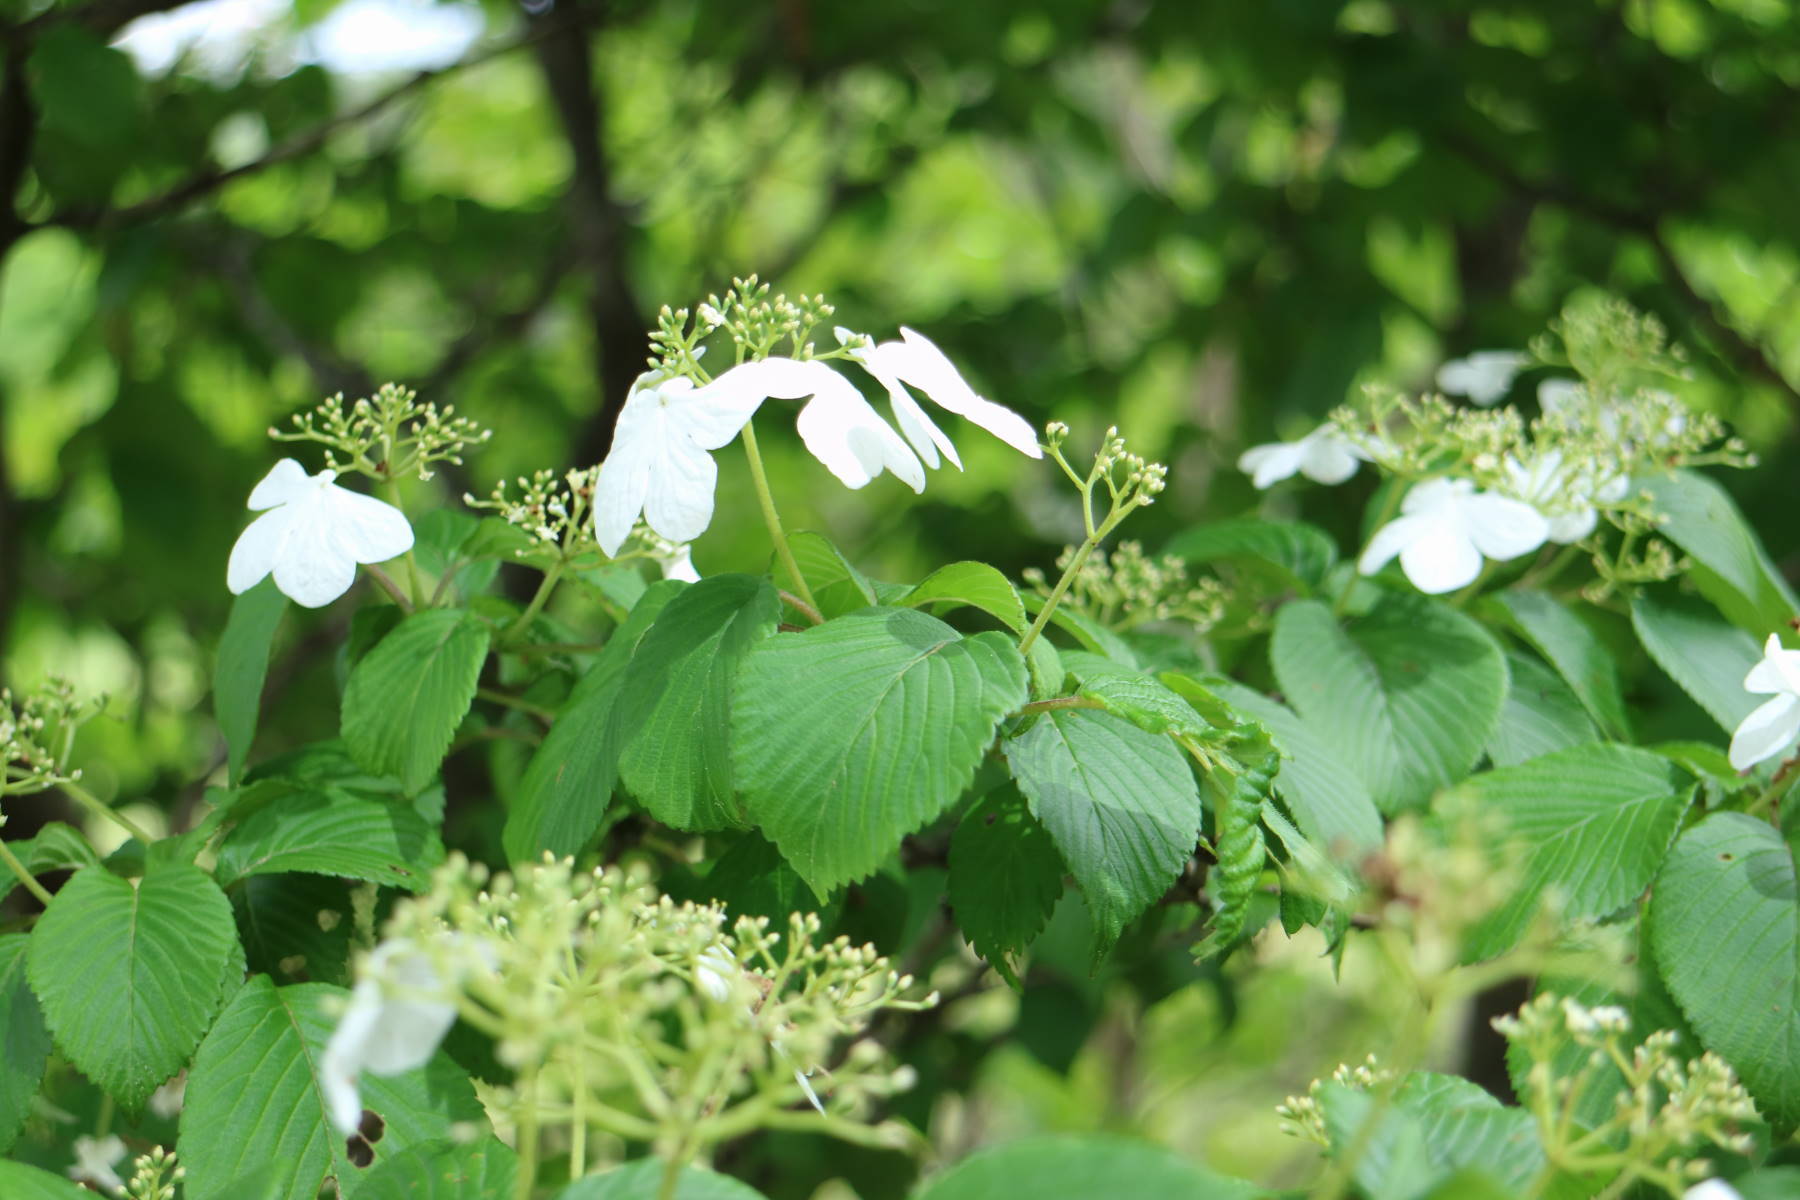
column 757, row 321
column 1128, row 588
column 1303, row 1117
column 389, row 435
column 154, row 1176
column 37, row 731
column 626, row 1014
column 555, row 510
column 1664, row 1107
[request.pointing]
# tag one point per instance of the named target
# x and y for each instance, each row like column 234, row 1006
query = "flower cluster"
column 154, row 1176
column 37, row 730
column 1662, row 1109
column 312, row 535
column 1303, row 1117
column 632, row 1015
column 1128, row 588
column 676, row 414
column 389, row 435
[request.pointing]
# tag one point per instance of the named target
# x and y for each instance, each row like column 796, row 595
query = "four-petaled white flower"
column 1445, row 527
column 313, row 535
column 94, row 1159
column 1769, row 729
column 1712, row 1189
column 1563, row 492
column 661, row 463
column 1484, row 376
column 916, row 360
column 401, row 1008
column 1324, row 456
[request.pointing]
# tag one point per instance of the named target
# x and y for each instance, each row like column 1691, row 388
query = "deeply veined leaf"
column 1005, row 878
column 675, row 709
column 295, row 928
column 445, row 1170
column 1298, row 554
column 130, row 972
column 1405, row 695
column 1082, row 1167
column 751, row 879
column 254, row 1099
column 1541, row 715
column 1142, row 699
column 331, row 832
column 1329, row 803
column 1733, row 571
column 1120, row 804
column 972, row 583
column 1571, row 647
column 57, row 847
column 1436, row 1126
column 1594, row 823
column 1725, row 925
column 1239, row 852
column 242, row 664
column 1704, row 654
column 852, row 734
column 569, row 783
column 407, row 695
column 642, row 1180
column 22, row 1033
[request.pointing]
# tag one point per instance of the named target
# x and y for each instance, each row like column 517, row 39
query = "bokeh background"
column 1207, row 223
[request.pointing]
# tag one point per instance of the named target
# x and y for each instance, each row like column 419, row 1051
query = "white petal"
column 1442, row 560
column 1779, row 670
column 679, row 564
column 1484, row 377
column 311, row 568
column 342, row 1060
column 1326, row 458
column 1712, row 1189
column 1390, row 540
column 1556, row 395
column 285, row 481
column 1613, row 490
column 1271, row 462
column 855, row 444
column 678, row 503
column 920, row 363
column 712, row 415
column 1573, row 525
column 619, row 495
column 926, row 438
column 1436, row 494
column 1501, row 527
column 253, row 554
column 367, row 530
column 807, row 1087
column 1765, row 732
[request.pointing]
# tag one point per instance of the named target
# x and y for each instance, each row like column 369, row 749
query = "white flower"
column 1712, row 1189
column 678, row 563
column 660, row 464
column 916, row 360
column 1445, row 527
column 1767, row 731
column 313, row 535
column 94, row 1159
column 401, row 1008
column 1564, row 493
column 1484, row 376
column 166, row 1101
column 1561, row 395
column 1324, row 456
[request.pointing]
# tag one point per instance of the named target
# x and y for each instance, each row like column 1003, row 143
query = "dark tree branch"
column 597, row 223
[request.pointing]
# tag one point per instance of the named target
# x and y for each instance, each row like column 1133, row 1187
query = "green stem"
column 25, row 877
column 414, row 586
column 800, row 606
column 525, row 706
column 773, row 519
column 93, row 804
column 526, row 1136
column 1038, row 706
column 389, row 586
column 1778, row 786
column 1057, row 592
column 539, row 598
column 1538, row 576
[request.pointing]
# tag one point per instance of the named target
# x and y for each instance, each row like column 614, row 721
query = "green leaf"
column 837, row 586
column 752, row 879
column 675, row 707
column 1240, row 854
column 408, row 695
column 1406, row 695
column 1733, row 571
column 1706, row 656
column 1082, row 1167
column 332, row 832
column 254, row 1099
column 1142, row 699
column 569, row 783
column 1088, row 633
column 1297, row 554
column 130, row 973
column 21, row 1182
column 972, row 583
column 444, row 1170
column 57, row 847
column 642, row 1180
column 25, row 1041
column 1436, row 1126
column 1541, row 714
column 1571, row 647
column 1005, row 878
column 1594, row 821
column 856, row 732
column 242, row 665
column 295, row 928
column 439, row 541
column 1329, row 803
column 1120, row 804
column 1725, row 926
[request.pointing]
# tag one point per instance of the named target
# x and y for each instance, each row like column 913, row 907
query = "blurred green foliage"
column 1207, row 223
